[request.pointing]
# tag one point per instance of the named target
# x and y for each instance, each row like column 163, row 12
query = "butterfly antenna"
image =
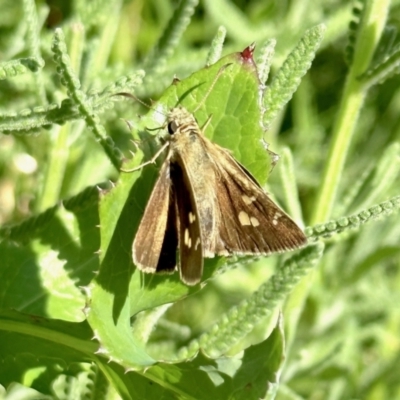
column 219, row 73
column 132, row 96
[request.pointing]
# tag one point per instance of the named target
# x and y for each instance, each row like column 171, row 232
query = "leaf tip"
column 247, row 53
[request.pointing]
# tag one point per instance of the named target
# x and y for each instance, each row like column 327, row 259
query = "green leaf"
column 43, row 277
column 42, row 347
column 288, row 78
column 120, row 290
column 20, row 66
column 250, row 375
column 234, row 105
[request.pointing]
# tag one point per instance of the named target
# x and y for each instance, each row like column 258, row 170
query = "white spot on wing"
column 244, row 218
column 277, row 215
column 248, row 200
column 187, row 239
column 254, row 221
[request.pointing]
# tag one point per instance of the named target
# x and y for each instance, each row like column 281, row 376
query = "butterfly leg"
column 151, row 161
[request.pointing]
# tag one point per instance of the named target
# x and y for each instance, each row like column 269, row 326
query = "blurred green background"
column 346, row 343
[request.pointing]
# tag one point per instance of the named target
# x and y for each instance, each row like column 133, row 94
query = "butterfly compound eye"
column 172, row 127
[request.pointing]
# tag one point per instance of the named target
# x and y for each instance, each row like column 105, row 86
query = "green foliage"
column 78, row 320
column 287, row 79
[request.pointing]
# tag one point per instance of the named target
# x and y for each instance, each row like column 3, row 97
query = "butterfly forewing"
column 154, row 247
column 250, row 222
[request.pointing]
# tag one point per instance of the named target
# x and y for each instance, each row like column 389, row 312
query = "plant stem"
column 55, row 170
column 59, row 149
column 372, row 22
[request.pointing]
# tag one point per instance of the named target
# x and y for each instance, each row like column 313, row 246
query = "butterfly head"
column 179, row 120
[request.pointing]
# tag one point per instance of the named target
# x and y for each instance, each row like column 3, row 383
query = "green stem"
column 369, row 32
column 56, row 166
column 59, row 149
column 288, row 180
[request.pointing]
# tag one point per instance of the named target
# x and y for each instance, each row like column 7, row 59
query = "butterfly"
column 205, row 203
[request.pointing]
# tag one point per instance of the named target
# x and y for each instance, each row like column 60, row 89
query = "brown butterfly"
column 205, row 203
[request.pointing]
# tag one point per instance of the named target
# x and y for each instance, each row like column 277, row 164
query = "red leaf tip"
column 247, row 53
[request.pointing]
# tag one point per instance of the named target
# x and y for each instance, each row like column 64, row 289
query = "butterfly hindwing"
column 154, row 247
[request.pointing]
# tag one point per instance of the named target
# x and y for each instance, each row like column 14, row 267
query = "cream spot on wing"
column 244, row 218
column 254, row 221
column 192, row 217
column 197, row 243
column 248, row 200
column 275, row 218
column 186, row 238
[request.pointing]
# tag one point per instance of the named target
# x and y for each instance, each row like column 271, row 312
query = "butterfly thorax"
column 189, row 150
